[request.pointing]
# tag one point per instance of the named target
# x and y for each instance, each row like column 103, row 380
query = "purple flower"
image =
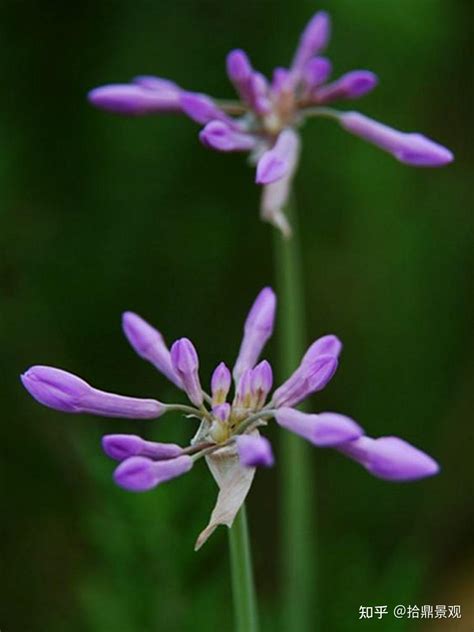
column 265, row 121
column 229, row 430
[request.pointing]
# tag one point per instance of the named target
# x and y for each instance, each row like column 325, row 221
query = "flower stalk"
column 243, row 588
column 297, row 494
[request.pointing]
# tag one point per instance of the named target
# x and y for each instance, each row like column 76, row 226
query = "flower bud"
column 185, row 362
column 307, row 379
column 410, row 148
column 313, row 40
column 149, row 344
column 257, row 330
column 222, row 412
column 277, row 161
column 316, row 71
column 244, row 395
column 68, row 393
column 220, row 384
column 139, row 474
column 326, row 345
column 123, row 446
column 134, row 100
column 352, row 85
column 261, row 382
column 221, row 136
column 390, row 458
column 201, row 108
column 239, row 71
column 323, row 430
column 254, row 451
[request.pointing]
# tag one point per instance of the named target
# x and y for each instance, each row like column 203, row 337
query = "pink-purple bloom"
column 226, row 421
column 265, row 121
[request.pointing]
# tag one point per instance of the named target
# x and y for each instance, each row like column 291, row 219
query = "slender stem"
column 243, row 589
column 298, row 532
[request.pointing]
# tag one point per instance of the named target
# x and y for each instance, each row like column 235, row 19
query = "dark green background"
column 100, row 214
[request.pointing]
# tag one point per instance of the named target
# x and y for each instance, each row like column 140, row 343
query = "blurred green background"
column 100, row 214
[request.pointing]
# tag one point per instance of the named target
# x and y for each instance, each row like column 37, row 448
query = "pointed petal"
column 234, row 482
column 276, row 194
column 274, row 199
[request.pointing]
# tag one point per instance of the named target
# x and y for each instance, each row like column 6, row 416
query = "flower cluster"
column 266, row 119
column 229, row 431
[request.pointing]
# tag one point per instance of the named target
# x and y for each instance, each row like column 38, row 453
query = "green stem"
column 243, row 588
column 297, row 500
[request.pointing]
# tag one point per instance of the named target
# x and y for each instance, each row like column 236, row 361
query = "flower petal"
column 234, row 482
